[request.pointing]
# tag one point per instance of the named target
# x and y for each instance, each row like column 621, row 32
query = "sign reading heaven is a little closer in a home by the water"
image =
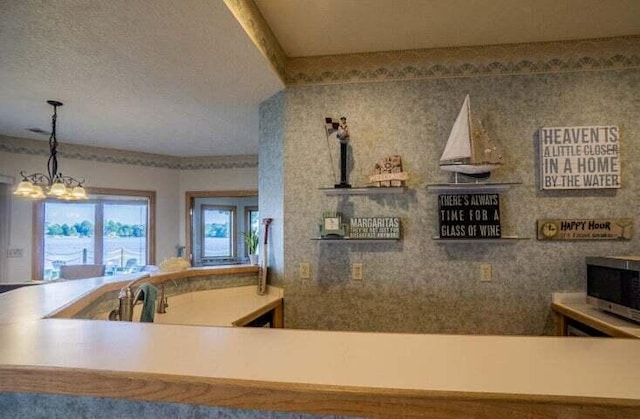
column 579, row 157
column 469, row 216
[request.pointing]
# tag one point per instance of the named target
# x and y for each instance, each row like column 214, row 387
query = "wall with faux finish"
column 418, row 284
column 170, row 177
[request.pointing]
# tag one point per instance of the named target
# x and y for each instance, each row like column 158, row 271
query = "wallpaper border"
column 107, row 155
column 478, row 61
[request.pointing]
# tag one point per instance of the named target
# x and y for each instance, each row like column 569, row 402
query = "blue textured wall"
column 419, row 285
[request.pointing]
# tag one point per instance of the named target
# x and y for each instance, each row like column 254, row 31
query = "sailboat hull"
column 475, row 170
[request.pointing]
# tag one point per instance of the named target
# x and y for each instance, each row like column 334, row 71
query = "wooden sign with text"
column 579, row 157
column 379, row 228
column 469, row 216
column 586, row 229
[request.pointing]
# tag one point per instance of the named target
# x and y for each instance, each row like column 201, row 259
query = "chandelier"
column 52, row 184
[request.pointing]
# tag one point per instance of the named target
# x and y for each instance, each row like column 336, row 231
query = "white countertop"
column 587, row 367
column 532, row 366
column 216, row 307
column 577, row 302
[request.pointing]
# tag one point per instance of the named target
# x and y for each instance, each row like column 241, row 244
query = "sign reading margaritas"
column 374, row 228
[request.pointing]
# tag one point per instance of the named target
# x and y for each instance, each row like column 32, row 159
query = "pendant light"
column 53, row 183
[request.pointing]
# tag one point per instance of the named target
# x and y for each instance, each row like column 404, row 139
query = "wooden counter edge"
column 563, row 310
column 304, row 398
column 278, row 314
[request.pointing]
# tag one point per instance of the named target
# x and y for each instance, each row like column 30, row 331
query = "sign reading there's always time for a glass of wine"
column 469, row 216
column 579, row 157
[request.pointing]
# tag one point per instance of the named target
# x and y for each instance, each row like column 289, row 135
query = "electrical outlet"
column 485, row 272
column 305, row 270
column 356, row 271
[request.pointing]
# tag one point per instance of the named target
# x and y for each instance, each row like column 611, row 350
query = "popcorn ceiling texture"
column 418, row 285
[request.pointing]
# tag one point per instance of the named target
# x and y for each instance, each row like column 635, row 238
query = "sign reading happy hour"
column 579, row 157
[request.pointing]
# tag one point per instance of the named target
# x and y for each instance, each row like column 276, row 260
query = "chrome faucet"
column 163, row 302
column 126, row 301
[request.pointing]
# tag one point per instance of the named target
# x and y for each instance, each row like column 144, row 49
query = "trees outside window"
column 114, row 229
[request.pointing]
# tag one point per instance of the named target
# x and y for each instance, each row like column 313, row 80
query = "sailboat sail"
column 459, row 142
column 468, row 150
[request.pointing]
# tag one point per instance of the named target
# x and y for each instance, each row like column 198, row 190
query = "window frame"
column 247, row 222
column 189, row 213
column 37, row 259
column 233, row 245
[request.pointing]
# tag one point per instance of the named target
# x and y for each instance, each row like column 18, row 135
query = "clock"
column 332, row 223
column 331, row 226
column 549, row 230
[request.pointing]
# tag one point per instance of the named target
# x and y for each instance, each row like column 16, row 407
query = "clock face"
column 549, row 230
column 332, row 223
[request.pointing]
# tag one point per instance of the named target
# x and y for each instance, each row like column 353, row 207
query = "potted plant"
column 251, row 240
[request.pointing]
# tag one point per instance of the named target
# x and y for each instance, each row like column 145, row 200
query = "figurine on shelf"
column 343, row 138
column 389, row 173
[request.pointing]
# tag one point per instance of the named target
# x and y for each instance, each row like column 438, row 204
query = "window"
column 252, row 222
column 208, row 244
column 218, row 231
column 113, row 228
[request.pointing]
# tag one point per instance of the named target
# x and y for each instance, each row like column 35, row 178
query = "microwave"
column 613, row 285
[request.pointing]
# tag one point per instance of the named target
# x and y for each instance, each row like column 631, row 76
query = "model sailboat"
column 469, row 150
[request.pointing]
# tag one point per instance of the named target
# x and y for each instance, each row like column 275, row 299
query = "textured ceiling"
column 325, row 27
column 182, row 78
column 170, row 77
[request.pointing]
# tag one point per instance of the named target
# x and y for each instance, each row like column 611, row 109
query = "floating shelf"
column 501, row 240
column 370, row 190
column 451, row 188
column 348, row 240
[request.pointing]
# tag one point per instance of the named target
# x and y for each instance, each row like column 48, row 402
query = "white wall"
column 108, row 175
column 238, row 179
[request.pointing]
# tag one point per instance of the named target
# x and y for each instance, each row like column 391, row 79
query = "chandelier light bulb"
column 57, row 189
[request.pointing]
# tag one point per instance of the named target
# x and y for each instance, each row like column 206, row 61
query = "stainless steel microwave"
column 613, row 284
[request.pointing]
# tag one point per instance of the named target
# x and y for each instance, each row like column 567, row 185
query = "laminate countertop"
column 378, row 374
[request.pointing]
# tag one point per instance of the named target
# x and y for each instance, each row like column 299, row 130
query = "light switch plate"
column 356, row 271
column 485, row 272
column 305, row 270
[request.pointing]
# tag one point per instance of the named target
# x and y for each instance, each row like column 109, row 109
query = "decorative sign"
column 389, row 172
column 375, row 228
column 469, row 216
column 579, row 157
column 586, row 229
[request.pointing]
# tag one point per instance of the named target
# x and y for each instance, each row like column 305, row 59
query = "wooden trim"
column 37, row 241
column 305, row 398
column 278, row 315
column 151, row 216
column 37, row 229
column 276, row 306
column 591, row 322
column 233, row 245
column 189, row 202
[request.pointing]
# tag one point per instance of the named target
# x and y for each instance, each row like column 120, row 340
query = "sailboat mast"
column 472, row 145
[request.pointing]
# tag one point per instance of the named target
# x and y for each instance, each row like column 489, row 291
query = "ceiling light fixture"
column 52, row 184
